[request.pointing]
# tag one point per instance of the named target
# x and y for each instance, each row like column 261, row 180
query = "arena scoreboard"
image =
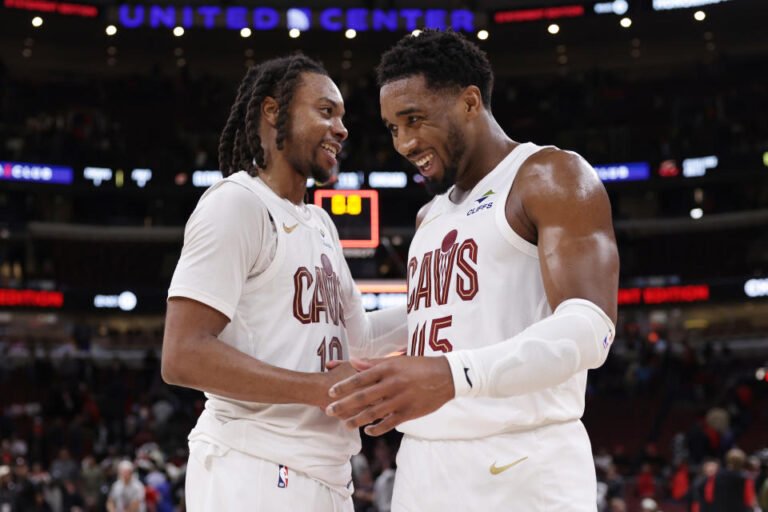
column 355, row 213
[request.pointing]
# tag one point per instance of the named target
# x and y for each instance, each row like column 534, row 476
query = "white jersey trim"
column 522, row 153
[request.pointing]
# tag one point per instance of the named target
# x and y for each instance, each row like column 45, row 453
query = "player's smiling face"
column 316, row 130
column 425, row 127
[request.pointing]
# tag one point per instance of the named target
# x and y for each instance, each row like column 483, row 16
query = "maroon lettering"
column 467, row 286
column 412, row 266
column 325, row 291
column 440, row 344
column 301, row 275
column 424, row 288
column 443, row 269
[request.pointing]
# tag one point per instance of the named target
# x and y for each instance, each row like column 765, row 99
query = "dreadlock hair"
column 446, row 59
column 240, row 143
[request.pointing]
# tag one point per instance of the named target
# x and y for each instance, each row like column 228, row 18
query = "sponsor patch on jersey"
column 482, row 204
column 282, row 476
column 484, row 196
column 479, row 208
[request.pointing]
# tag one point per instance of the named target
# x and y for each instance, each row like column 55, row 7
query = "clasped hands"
column 388, row 391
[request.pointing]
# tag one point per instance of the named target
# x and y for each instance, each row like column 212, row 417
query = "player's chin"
column 437, row 185
column 323, row 175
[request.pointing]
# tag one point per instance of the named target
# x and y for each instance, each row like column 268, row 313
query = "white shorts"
column 222, row 479
column 541, row 470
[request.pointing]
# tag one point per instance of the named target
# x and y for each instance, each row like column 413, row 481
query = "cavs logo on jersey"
column 282, row 476
column 449, row 269
column 317, row 295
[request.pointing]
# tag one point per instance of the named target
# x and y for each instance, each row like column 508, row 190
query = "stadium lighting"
column 416, row 33
column 697, row 213
column 245, row 32
column 699, row 15
column 178, row 31
column 37, row 21
column 350, row 33
column 553, row 28
column 111, row 30
column 626, row 22
column 294, row 33
column 482, row 35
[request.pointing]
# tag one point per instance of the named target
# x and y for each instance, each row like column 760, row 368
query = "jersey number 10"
column 329, row 352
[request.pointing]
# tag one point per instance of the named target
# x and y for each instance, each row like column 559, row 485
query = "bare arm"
column 565, row 202
column 194, row 357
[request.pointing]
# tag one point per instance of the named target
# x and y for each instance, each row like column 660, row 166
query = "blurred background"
column 109, row 121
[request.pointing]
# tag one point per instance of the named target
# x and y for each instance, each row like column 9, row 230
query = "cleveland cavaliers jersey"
column 290, row 314
column 473, row 282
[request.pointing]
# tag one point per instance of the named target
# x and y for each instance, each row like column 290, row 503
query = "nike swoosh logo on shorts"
column 496, row 470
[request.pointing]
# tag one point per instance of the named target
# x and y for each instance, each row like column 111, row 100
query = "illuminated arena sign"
column 631, row 171
column 41, row 173
column 267, row 18
column 30, row 298
column 63, row 8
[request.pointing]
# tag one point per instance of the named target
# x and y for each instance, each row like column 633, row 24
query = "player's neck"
column 285, row 182
column 494, row 146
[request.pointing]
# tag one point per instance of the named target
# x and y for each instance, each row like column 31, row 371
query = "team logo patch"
column 327, row 267
column 282, row 476
column 449, row 240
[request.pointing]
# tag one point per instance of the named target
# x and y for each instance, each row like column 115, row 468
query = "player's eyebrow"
column 335, row 104
column 406, row 111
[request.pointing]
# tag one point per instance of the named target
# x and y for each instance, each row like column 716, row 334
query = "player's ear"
column 269, row 110
column 472, row 100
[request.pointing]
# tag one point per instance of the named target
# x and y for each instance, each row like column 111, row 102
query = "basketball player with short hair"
column 262, row 300
column 512, row 289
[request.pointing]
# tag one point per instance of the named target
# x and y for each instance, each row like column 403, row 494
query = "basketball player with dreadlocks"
column 512, row 291
column 262, row 300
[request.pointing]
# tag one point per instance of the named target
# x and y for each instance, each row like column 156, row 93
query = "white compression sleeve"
column 378, row 333
column 576, row 337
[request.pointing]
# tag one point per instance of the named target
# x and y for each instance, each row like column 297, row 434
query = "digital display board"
column 355, row 213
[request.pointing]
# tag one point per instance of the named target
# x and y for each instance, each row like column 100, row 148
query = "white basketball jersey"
column 290, row 315
column 474, row 282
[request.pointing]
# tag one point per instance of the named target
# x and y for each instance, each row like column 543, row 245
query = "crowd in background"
column 69, row 419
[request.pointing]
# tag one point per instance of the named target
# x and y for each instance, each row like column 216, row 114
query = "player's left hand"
column 390, row 391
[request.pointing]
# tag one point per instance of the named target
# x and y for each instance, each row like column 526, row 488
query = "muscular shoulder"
column 553, row 180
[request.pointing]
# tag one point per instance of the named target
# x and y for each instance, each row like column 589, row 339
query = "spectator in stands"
column 64, row 468
column 645, row 486
column 730, row 490
column 679, row 485
column 93, row 479
column 649, row 505
column 6, row 490
column 127, row 493
column 72, row 500
column 617, row 505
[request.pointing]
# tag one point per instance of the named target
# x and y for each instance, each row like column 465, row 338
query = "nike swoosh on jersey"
column 496, row 470
column 289, row 229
